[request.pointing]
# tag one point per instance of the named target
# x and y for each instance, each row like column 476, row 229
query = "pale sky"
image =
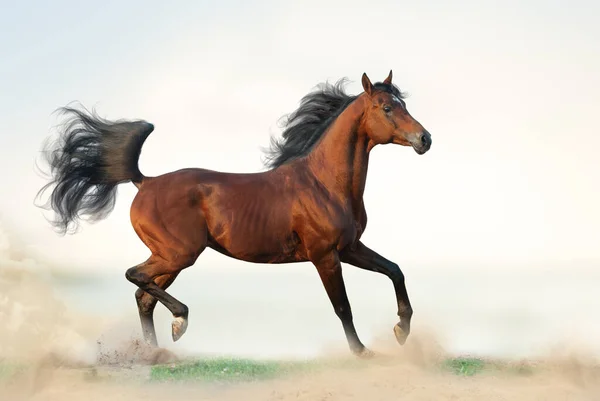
column 509, row 91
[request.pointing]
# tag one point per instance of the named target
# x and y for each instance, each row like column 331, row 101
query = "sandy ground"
column 398, row 378
column 40, row 331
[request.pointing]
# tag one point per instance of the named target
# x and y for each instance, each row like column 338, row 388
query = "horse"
column 306, row 206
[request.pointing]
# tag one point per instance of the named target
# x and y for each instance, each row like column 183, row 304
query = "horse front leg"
column 367, row 259
column 330, row 271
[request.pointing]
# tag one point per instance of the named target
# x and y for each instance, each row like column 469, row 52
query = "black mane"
column 307, row 124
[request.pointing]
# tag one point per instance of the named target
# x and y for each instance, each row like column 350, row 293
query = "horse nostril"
column 425, row 138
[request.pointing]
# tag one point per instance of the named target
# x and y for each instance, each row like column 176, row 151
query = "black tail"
column 90, row 158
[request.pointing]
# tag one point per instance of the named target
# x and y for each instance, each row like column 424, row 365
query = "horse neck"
column 340, row 159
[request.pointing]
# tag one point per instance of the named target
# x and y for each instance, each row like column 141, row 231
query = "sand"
column 388, row 378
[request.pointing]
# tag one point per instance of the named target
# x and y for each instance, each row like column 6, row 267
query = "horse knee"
column 396, row 274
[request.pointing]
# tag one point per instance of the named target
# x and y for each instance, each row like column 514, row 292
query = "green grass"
column 470, row 366
column 237, row 370
column 234, row 369
column 227, row 369
column 464, row 366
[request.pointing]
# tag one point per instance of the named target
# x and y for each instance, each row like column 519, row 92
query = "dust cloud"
column 51, row 350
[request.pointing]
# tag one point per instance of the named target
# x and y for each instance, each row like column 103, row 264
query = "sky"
column 508, row 90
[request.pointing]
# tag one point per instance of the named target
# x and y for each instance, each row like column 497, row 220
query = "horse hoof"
column 401, row 334
column 179, row 326
column 366, row 354
column 363, row 353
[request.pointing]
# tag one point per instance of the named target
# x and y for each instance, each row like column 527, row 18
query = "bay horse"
column 306, row 207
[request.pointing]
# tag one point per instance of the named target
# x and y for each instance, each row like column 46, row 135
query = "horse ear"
column 367, row 85
column 388, row 80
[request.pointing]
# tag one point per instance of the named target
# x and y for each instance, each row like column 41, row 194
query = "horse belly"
column 253, row 231
column 259, row 247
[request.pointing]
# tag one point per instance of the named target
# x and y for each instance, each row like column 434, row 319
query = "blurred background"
column 505, row 261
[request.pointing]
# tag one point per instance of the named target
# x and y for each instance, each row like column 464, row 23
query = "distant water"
column 284, row 311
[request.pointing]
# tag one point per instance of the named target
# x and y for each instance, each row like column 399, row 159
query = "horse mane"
column 309, row 122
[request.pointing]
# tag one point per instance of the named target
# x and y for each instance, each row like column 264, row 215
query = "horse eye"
column 387, row 108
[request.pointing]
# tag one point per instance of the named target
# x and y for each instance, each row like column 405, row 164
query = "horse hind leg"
column 147, row 303
column 144, row 276
column 176, row 241
column 174, row 229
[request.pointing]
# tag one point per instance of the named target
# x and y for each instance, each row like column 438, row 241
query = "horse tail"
column 90, row 158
